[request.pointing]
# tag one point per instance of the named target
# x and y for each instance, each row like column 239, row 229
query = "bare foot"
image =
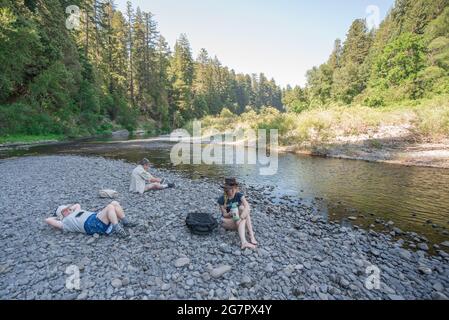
column 248, row 245
column 254, row 241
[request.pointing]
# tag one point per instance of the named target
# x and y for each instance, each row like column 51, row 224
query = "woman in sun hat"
column 234, row 200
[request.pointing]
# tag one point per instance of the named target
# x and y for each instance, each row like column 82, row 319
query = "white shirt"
column 139, row 177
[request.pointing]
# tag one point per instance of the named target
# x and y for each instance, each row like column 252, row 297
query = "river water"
column 414, row 198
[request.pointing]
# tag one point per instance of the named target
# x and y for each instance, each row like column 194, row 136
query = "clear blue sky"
column 282, row 38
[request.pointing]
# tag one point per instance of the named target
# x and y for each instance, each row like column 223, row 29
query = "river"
column 413, row 198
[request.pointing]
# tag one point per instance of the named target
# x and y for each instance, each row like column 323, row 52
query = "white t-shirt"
column 74, row 222
column 139, row 177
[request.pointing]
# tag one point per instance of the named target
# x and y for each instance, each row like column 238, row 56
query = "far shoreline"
column 398, row 152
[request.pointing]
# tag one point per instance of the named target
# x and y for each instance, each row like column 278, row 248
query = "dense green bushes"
column 406, row 58
column 19, row 118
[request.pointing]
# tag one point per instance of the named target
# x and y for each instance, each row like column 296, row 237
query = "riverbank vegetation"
column 117, row 71
column 424, row 120
column 395, row 76
column 12, row 139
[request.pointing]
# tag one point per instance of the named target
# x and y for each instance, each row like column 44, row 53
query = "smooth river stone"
column 220, row 271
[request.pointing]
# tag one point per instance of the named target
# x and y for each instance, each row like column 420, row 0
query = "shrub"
column 19, row 118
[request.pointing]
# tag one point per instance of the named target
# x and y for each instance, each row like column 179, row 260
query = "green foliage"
column 18, row 138
column 406, row 58
column 401, row 61
column 226, row 113
column 118, row 70
column 22, row 119
column 295, row 100
column 18, row 39
column 115, row 69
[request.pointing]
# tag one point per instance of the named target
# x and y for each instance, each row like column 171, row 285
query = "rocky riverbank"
column 398, row 150
column 299, row 256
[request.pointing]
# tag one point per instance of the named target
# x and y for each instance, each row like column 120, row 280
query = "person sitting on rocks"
column 71, row 218
column 142, row 181
column 235, row 210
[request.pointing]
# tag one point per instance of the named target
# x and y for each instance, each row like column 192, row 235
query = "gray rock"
column 395, row 297
column 405, row 254
column 269, row 268
column 423, row 246
column 246, row 281
column 439, row 296
column 116, row 283
column 220, row 271
column 165, row 287
column 129, row 293
column 206, row 276
column 445, row 244
column 181, row 262
column 82, row 296
column 323, row 296
column 125, row 281
column 345, row 283
column 438, row 287
column 425, row 270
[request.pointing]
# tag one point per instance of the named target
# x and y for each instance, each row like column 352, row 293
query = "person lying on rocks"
column 110, row 220
column 235, row 210
column 142, row 181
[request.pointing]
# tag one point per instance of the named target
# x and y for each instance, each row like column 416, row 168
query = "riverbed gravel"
column 300, row 256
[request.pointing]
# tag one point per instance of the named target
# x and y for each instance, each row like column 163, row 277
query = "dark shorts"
column 94, row 225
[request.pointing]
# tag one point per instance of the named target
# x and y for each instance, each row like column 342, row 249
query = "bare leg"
column 118, row 210
column 108, row 215
column 154, row 186
column 242, row 234
column 249, row 226
column 245, row 213
column 229, row 224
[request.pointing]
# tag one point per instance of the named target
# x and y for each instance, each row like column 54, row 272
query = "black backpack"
column 201, row 223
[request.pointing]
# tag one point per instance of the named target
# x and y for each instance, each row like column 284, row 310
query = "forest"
column 116, row 70
column 395, row 76
column 407, row 58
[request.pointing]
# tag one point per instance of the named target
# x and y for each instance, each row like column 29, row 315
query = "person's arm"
column 54, row 222
column 146, row 176
column 245, row 204
column 224, row 212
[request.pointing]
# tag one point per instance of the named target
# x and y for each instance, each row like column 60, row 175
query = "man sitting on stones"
column 235, row 210
column 142, row 181
column 71, row 218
